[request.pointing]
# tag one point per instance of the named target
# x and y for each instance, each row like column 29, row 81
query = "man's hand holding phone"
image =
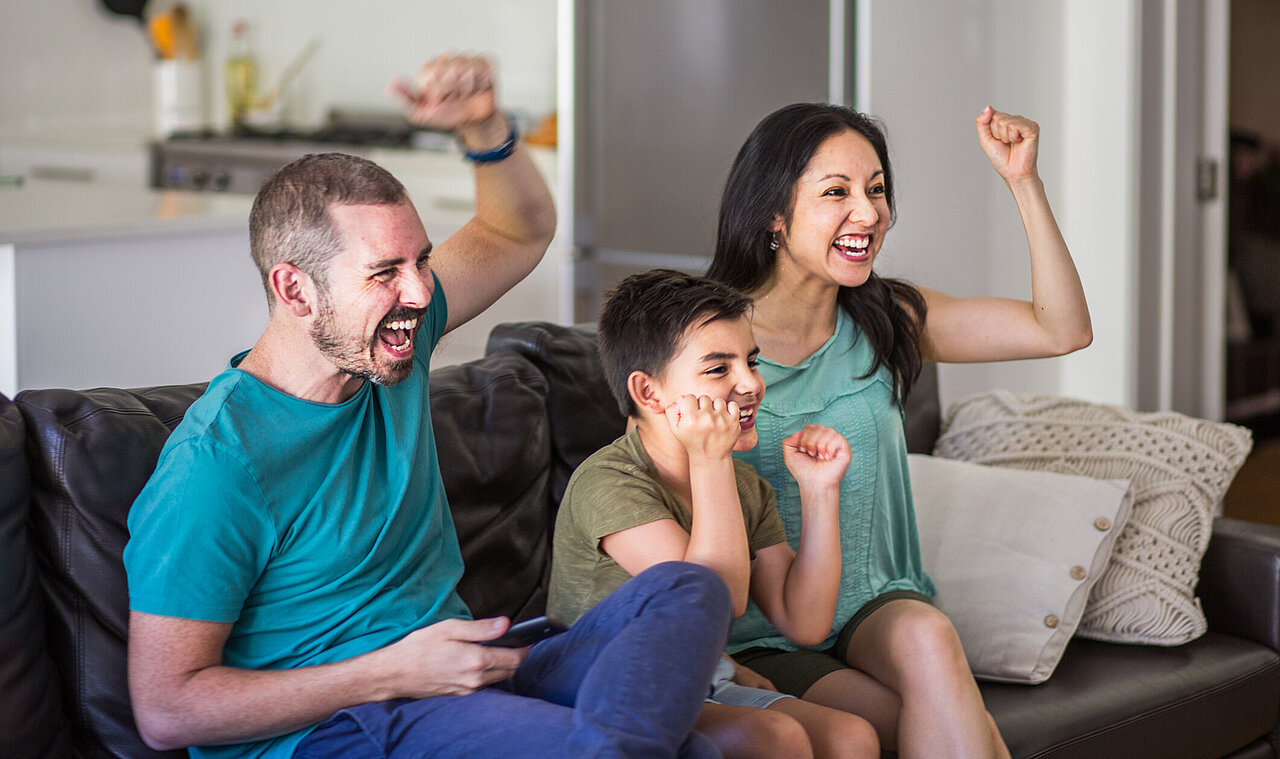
column 527, row 633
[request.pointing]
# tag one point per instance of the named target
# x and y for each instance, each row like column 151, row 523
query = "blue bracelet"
column 502, row 151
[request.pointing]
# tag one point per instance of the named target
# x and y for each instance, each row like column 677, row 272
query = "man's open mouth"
column 396, row 335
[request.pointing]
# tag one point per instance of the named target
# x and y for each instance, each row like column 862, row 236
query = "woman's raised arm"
column 1056, row 319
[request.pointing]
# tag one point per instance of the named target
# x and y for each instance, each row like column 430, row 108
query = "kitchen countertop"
column 75, row 136
column 42, row 211
column 48, row 211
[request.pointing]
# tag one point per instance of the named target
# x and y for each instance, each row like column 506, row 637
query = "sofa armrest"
column 1240, row 581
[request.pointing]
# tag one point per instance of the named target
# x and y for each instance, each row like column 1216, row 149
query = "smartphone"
column 527, row 633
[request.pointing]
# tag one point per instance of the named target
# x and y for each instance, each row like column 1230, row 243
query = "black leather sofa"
column 511, row 427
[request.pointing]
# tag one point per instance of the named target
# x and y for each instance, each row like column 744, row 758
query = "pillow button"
column 1078, row 573
column 1051, row 621
column 1102, row 523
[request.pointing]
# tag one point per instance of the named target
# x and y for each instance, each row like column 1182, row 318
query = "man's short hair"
column 643, row 323
column 290, row 221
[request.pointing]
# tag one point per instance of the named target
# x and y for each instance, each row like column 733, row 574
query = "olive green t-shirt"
column 616, row 489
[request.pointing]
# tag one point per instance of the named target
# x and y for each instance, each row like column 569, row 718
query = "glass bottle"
column 242, row 74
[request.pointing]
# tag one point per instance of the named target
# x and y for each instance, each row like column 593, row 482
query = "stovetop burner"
column 331, row 135
column 342, row 126
column 241, row 160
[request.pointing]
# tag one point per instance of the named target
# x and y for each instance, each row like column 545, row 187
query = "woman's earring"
column 773, row 241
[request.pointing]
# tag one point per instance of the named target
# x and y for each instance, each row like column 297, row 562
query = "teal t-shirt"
column 320, row 531
column 879, row 544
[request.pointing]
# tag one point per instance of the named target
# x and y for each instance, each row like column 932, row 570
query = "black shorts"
column 795, row 672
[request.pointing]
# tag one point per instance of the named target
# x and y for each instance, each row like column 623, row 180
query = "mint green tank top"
column 880, row 547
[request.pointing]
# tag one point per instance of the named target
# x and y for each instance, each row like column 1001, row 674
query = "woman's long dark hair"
column 761, row 188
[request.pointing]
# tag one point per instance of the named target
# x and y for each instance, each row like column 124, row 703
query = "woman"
column 804, row 215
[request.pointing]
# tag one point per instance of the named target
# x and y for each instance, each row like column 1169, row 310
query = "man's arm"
column 183, row 696
column 515, row 214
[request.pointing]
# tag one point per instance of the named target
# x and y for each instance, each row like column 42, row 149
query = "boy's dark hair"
column 644, row 319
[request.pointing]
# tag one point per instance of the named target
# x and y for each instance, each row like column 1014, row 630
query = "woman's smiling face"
column 839, row 215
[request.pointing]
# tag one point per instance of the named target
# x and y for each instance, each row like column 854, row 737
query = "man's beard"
column 353, row 356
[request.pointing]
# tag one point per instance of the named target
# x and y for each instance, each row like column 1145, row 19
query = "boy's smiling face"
column 718, row 359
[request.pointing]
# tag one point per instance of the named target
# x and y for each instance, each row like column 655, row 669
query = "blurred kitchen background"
column 637, row 108
column 113, row 283
column 69, row 62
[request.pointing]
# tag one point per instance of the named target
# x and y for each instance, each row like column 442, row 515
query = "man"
column 292, row 564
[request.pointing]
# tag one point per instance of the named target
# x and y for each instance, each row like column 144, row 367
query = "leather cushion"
column 30, row 698
column 584, row 416
column 90, row 454
column 491, row 429
column 1205, row 698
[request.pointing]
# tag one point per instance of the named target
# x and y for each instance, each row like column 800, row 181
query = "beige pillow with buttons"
column 1014, row 555
column 1179, row 468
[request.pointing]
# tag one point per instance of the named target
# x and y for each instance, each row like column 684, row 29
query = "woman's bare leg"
column 856, row 692
column 913, row 648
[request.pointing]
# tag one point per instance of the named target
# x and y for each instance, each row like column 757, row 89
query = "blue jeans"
column 627, row 680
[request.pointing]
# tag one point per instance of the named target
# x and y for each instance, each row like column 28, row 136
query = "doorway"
column 1252, row 383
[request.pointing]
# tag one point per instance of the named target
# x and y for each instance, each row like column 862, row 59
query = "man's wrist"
column 496, row 134
column 380, row 672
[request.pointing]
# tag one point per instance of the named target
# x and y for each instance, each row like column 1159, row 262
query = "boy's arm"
column 718, row 541
column 718, row 538
column 638, row 548
column 797, row 591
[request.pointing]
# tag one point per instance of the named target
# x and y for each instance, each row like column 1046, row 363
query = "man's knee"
column 694, row 584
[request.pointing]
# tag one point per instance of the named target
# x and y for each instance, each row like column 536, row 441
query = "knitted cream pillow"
column 1179, row 467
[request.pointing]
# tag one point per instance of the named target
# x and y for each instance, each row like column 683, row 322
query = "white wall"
column 363, row 45
column 72, row 65
column 1100, row 191
column 928, row 70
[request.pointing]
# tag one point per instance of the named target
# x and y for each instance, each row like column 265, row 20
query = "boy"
column 680, row 358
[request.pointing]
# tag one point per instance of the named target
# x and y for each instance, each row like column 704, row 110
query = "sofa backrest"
column 30, row 695
column 492, row 432
column 584, row 416
column 922, row 416
column 90, row 453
